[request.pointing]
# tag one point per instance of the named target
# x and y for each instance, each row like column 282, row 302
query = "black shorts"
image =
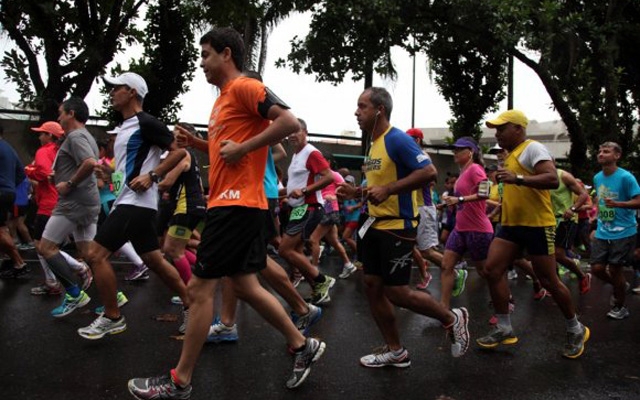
column 330, row 219
column 566, row 234
column 6, row 206
column 20, row 211
column 613, row 252
column 232, row 242
column 129, row 223
column 388, row 254
column 537, row 241
column 307, row 224
column 38, row 225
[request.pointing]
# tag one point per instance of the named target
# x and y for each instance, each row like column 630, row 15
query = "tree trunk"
column 578, row 152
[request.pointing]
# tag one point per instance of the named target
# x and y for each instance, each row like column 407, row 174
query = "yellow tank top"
column 522, row 205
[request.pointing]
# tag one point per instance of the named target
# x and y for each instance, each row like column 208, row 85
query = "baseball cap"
column 350, row 179
column 464, row 143
column 495, row 149
column 415, row 133
column 50, row 127
column 516, row 117
column 131, row 79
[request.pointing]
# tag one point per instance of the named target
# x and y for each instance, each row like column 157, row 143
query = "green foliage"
column 167, row 63
column 351, row 38
column 470, row 74
column 75, row 39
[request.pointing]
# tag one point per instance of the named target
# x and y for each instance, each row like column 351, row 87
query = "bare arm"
column 278, row 152
column 545, row 176
column 171, row 177
column 573, row 185
column 326, row 179
column 415, row 180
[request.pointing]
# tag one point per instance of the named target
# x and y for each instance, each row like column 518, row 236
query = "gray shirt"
column 82, row 204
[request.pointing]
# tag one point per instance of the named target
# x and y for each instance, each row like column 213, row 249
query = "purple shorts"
column 476, row 243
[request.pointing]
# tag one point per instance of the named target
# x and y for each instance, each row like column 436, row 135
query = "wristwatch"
column 70, row 183
column 461, row 199
column 154, row 177
column 519, row 179
column 304, row 190
column 573, row 209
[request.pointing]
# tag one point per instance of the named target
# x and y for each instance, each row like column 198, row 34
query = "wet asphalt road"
column 43, row 358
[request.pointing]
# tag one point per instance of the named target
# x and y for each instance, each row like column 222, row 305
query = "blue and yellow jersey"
column 393, row 156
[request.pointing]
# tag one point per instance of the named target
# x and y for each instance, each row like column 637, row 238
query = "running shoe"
column 585, row 283
column 219, row 332
column 496, row 337
column 296, row 278
column 358, row 264
column 512, row 274
column 85, row 275
column 540, row 294
column 424, row 284
column 185, row 320
column 304, row 322
column 138, row 273
column 459, row 332
column 47, row 289
column 102, row 326
column 320, row 292
column 120, row 297
column 347, row 271
column 312, row 351
column 575, row 343
column 385, row 357
column 618, row 313
column 69, row 304
column 459, row 283
column 176, row 300
column 25, row 246
column 15, row 272
column 636, row 289
column 160, row 387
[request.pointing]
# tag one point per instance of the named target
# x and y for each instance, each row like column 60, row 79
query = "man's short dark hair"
column 220, row 38
column 79, row 108
column 381, row 97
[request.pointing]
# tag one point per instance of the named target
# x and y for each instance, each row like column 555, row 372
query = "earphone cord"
column 370, row 143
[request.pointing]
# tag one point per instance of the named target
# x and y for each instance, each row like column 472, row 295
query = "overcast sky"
column 329, row 109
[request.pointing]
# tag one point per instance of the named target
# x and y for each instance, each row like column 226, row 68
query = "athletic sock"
column 504, row 322
column 49, row 276
column 62, row 270
column 129, row 252
column 75, row 265
column 573, row 325
column 190, row 256
column 73, row 291
column 183, row 267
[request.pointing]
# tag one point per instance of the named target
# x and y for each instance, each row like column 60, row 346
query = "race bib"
column 606, row 214
column 117, row 179
column 298, row 212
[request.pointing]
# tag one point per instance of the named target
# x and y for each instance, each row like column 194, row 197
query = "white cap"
column 131, row 79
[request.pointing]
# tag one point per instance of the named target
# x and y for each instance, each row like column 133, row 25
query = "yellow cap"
column 516, row 117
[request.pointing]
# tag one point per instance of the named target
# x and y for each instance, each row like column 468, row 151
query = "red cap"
column 50, row 127
column 415, row 133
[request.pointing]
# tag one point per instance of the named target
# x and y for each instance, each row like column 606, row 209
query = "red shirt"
column 39, row 170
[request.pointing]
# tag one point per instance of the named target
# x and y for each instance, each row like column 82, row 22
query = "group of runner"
column 224, row 239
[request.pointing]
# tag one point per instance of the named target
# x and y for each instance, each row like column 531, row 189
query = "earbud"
column 377, row 113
